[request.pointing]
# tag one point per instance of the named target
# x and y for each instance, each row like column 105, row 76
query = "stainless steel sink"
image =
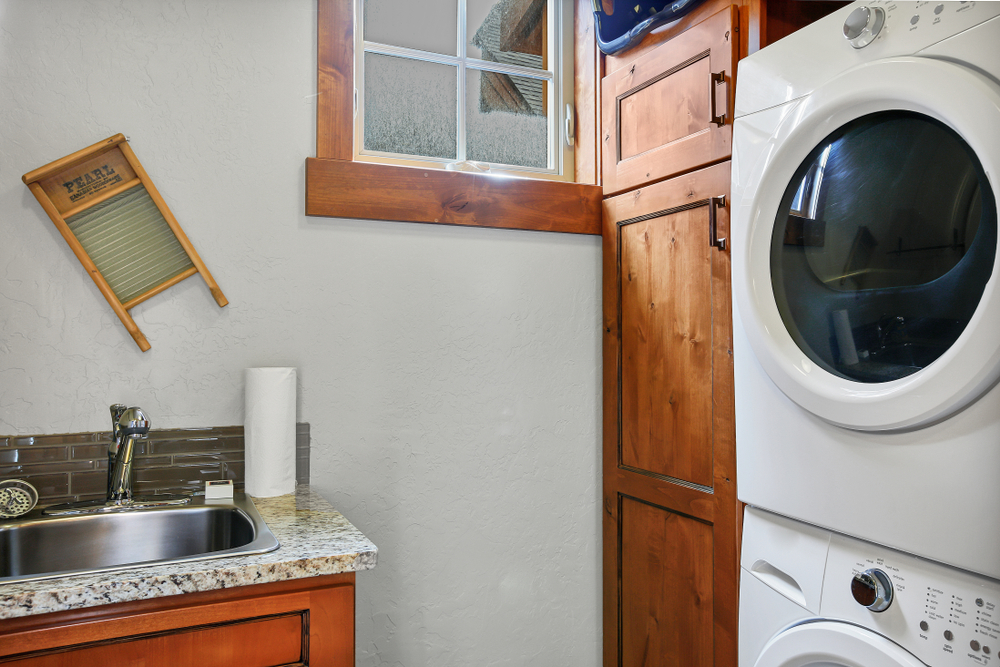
column 42, row 547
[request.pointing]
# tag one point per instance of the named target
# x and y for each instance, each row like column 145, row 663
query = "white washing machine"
column 811, row 597
column 866, row 163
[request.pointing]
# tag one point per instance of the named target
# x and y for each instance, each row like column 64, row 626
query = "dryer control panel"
column 944, row 616
column 912, row 26
column 836, row 43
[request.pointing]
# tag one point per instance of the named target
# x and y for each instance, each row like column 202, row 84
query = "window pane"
column 428, row 25
column 883, row 246
column 508, row 31
column 505, row 119
column 410, row 107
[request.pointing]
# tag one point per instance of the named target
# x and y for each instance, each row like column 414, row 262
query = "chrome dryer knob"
column 872, row 589
column 863, row 25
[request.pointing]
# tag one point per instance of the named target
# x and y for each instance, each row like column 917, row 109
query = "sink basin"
column 42, row 547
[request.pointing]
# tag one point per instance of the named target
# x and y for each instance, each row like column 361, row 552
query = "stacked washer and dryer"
column 866, row 311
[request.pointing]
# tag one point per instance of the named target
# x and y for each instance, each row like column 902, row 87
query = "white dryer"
column 866, row 165
column 810, row 597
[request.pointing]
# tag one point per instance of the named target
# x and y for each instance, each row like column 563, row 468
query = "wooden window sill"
column 370, row 191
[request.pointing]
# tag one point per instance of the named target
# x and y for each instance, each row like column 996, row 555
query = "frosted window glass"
column 428, row 25
column 506, row 121
column 508, row 31
column 410, row 107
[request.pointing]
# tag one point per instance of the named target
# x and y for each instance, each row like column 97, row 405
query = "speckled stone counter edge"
column 315, row 540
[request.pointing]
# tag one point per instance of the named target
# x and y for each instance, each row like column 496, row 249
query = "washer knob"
column 863, row 25
column 872, row 589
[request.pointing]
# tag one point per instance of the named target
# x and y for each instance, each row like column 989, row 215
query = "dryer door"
column 869, row 261
column 832, row 644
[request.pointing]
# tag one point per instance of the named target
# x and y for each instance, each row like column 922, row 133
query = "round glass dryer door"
column 865, row 263
column 883, row 244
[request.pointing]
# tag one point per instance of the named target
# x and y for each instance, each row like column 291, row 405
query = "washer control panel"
column 944, row 616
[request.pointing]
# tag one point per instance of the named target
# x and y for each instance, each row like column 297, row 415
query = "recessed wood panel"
column 666, row 329
column 669, row 108
column 261, row 643
column 666, row 588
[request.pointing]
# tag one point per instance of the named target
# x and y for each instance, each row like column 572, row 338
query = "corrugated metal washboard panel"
column 130, row 242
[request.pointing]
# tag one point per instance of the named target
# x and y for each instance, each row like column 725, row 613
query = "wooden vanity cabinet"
column 298, row 622
column 669, row 110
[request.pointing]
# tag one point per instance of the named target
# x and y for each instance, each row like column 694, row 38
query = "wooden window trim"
column 336, row 186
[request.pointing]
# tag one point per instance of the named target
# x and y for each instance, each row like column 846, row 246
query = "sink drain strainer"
column 17, row 497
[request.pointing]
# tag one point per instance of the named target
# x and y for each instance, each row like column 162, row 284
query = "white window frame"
column 559, row 109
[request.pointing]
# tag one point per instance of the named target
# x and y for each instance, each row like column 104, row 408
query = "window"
column 455, row 81
column 339, row 184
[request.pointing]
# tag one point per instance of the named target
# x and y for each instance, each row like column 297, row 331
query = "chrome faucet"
column 130, row 425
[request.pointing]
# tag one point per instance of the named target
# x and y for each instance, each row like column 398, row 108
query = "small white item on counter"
column 218, row 488
column 269, row 431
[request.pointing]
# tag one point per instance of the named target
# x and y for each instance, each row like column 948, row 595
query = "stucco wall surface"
column 450, row 376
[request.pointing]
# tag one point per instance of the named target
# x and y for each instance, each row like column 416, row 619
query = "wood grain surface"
column 369, row 191
column 309, row 621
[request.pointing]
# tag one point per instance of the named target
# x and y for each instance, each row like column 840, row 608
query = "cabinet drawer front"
column 264, row 642
column 669, row 111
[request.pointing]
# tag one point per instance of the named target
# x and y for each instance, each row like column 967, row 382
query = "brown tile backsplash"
column 73, row 466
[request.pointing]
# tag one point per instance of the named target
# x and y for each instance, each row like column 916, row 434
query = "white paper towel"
column 269, row 431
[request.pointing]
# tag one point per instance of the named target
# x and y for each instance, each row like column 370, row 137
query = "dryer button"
column 863, row 25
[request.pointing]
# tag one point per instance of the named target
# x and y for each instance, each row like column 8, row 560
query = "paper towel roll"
column 269, row 431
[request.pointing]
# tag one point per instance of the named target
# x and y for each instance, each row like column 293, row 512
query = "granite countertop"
column 315, row 540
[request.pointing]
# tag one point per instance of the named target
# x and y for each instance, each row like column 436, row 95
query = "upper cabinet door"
column 670, row 110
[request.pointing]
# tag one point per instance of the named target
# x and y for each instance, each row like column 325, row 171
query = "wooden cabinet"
column 300, row 622
column 671, row 517
column 669, row 110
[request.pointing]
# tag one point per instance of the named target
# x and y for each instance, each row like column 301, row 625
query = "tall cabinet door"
column 670, row 110
column 670, row 509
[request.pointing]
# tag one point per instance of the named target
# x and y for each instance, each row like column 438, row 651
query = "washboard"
column 110, row 213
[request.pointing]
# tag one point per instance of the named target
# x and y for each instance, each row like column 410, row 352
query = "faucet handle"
column 117, row 409
column 133, row 421
column 116, row 413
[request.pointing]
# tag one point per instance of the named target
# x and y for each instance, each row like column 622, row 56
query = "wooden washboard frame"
column 104, row 204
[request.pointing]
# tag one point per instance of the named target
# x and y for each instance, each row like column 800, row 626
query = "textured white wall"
column 451, row 376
